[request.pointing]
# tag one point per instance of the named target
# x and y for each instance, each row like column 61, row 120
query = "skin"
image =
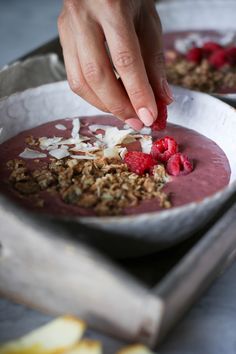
column 131, row 29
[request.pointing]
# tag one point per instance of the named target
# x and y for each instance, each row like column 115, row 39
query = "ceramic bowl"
column 214, row 18
column 148, row 232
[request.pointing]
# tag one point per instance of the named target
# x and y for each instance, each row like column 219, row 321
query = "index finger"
column 126, row 55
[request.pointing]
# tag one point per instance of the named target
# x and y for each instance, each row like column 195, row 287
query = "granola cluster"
column 200, row 76
column 103, row 184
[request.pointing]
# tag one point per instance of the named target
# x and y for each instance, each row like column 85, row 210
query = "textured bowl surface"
column 146, row 232
column 211, row 16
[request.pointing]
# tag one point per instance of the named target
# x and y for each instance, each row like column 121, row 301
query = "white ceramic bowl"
column 198, row 15
column 140, row 234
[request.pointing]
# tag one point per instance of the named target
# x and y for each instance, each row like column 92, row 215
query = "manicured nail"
column 167, row 90
column 145, row 116
column 134, row 123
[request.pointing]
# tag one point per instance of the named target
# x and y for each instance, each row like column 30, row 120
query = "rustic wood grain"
column 47, row 270
column 207, row 259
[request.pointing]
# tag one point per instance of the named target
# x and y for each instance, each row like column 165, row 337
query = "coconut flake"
column 111, row 152
column 94, row 127
column 83, row 157
column 126, row 126
column 84, row 148
column 146, row 144
column 227, row 39
column 59, row 153
column 52, row 147
column 60, row 127
column 70, row 141
column 99, row 137
column 98, row 144
column 1, row 129
column 76, row 128
column 114, row 136
column 74, row 141
column 145, row 130
column 182, row 45
column 32, row 154
column 122, row 152
column 45, row 142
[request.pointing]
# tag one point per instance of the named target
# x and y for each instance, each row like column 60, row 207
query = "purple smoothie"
column 211, row 167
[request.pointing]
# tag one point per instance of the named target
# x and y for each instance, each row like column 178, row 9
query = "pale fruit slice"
column 135, row 349
column 55, row 337
column 86, row 346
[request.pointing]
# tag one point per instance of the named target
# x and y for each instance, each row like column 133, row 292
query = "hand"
column 131, row 29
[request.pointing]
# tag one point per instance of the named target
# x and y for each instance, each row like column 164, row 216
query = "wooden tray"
column 158, row 288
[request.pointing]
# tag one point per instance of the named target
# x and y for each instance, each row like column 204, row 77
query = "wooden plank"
column 198, row 269
column 49, row 271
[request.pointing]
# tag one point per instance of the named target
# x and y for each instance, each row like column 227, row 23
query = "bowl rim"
column 227, row 190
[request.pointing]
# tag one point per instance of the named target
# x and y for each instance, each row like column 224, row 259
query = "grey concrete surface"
column 24, row 25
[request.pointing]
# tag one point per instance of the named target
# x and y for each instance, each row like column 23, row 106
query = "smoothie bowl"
column 210, row 66
column 36, row 128
column 202, row 60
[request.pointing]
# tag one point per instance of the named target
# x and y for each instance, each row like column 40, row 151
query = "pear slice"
column 135, row 349
column 55, row 337
column 86, row 346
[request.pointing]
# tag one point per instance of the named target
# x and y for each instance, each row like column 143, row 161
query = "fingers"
column 97, row 71
column 139, row 62
column 127, row 59
column 75, row 76
column 90, row 73
column 150, row 36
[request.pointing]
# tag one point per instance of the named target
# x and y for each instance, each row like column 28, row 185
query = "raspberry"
column 210, row 47
column 139, row 162
column 179, row 164
column 195, row 55
column 218, row 59
column 164, row 148
column 160, row 122
column 231, row 55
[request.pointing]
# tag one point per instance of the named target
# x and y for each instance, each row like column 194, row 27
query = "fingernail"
column 167, row 90
column 134, row 123
column 145, row 116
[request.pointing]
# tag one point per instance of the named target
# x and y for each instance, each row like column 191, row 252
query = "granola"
column 200, row 76
column 88, row 172
column 103, row 184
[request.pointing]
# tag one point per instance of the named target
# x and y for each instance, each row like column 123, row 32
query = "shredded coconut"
column 32, row 154
column 45, row 142
column 94, row 127
column 84, row 147
column 111, row 152
column 59, row 153
column 145, row 130
column 60, row 127
column 114, row 136
column 83, row 157
column 146, row 144
column 76, row 128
